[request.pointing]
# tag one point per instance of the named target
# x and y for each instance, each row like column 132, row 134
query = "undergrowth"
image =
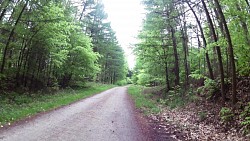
column 143, row 101
column 14, row 106
column 179, row 97
column 147, row 99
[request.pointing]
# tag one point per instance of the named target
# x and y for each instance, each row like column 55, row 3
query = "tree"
column 230, row 47
column 219, row 57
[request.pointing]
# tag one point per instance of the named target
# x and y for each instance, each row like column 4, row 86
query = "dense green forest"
column 57, row 43
column 193, row 56
column 193, row 52
column 191, row 43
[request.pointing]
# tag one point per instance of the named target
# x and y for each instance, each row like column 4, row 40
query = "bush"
column 129, row 81
column 210, row 88
column 121, row 83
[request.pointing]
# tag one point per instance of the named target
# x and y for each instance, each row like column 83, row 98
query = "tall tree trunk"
column 230, row 47
column 199, row 46
column 185, row 48
column 244, row 25
column 176, row 62
column 211, row 26
column 20, row 62
column 49, row 77
column 210, row 70
column 25, row 66
column 21, row 56
column 222, row 29
column 167, row 76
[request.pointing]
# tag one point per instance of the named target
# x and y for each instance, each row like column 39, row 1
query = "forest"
column 189, row 50
column 56, row 44
column 183, row 42
column 201, row 47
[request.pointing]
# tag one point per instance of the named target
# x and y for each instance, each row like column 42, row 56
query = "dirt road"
column 108, row 116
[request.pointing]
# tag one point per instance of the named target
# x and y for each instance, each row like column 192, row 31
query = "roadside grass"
column 23, row 106
column 152, row 99
column 143, row 101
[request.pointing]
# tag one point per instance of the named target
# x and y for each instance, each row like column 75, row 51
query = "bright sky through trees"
column 126, row 18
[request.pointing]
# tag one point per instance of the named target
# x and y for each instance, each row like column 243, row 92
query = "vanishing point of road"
column 108, row 116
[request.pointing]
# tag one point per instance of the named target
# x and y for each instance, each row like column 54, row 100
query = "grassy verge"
column 24, row 106
column 152, row 103
column 143, row 101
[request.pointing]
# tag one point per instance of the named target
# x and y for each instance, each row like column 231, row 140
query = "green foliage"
column 178, row 97
column 196, row 75
column 143, row 79
column 174, row 100
column 210, row 85
column 209, row 88
column 226, row 115
column 129, row 81
column 51, row 45
column 121, row 83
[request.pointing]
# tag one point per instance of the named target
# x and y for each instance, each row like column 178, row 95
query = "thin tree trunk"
column 211, row 26
column 176, row 62
column 210, row 70
column 230, row 47
column 243, row 24
column 20, row 62
column 199, row 46
column 25, row 67
column 167, row 76
column 22, row 54
column 49, row 73
column 185, row 48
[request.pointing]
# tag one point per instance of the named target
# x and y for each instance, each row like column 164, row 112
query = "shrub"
column 209, row 89
column 226, row 115
column 121, row 83
column 211, row 86
column 246, row 121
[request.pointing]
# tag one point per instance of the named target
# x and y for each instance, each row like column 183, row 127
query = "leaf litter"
column 195, row 122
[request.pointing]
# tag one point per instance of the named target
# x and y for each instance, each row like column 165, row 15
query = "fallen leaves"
column 187, row 123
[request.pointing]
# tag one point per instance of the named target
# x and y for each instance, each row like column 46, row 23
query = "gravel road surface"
column 108, row 116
